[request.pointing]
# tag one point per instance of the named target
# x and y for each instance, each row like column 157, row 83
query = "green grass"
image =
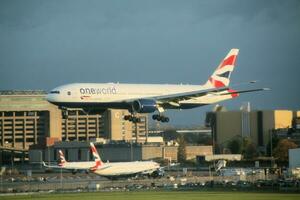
column 159, row 195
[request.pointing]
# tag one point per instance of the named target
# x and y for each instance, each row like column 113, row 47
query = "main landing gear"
column 132, row 118
column 160, row 118
column 135, row 119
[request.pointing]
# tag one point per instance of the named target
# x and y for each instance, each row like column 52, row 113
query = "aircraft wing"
column 245, row 91
column 175, row 98
column 52, row 166
column 188, row 95
column 76, row 167
column 73, row 167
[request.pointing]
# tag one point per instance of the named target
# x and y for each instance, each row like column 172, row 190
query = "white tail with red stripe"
column 62, row 160
column 98, row 162
column 221, row 76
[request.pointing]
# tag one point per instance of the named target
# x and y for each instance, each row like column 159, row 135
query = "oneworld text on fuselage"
column 108, row 90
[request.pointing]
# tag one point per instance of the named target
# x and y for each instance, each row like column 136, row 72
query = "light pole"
column 210, row 175
column 61, row 185
column 48, row 151
column 1, row 173
column 88, row 155
column 1, row 183
column 212, row 136
column 41, row 159
column 131, row 151
column 0, row 157
column 271, row 146
column 12, row 161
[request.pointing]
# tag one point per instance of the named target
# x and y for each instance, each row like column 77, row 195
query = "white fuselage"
column 146, row 98
column 114, row 95
column 127, row 168
column 79, row 165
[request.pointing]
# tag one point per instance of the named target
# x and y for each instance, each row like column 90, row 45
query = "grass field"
column 159, row 195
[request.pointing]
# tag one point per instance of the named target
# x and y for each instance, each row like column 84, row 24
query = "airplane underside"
column 120, row 105
column 96, row 107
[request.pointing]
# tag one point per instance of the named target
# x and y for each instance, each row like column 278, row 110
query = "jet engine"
column 144, row 105
column 158, row 173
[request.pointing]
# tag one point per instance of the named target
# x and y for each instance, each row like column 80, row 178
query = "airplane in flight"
column 114, row 170
column 149, row 98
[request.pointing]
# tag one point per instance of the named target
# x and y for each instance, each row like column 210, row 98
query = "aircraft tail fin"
column 221, row 76
column 62, row 160
column 220, row 165
column 98, row 161
column 44, row 164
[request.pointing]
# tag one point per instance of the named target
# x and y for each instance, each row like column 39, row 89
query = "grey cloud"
column 47, row 43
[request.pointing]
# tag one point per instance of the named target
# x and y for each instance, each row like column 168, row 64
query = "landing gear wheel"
column 136, row 120
column 165, row 119
column 160, row 118
column 127, row 117
column 132, row 118
column 155, row 117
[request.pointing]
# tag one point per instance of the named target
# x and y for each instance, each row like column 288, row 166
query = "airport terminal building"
column 258, row 125
column 26, row 119
column 115, row 152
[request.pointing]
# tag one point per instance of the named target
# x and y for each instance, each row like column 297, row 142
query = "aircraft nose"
column 49, row 97
column 53, row 95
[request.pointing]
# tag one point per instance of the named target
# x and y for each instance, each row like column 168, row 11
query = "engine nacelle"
column 158, row 173
column 144, row 105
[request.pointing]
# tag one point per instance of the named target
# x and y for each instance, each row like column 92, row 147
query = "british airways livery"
column 149, row 98
column 124, row 169
column 110, row 170
column 72, row 166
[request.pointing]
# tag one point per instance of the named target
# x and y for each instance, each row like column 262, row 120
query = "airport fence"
column 193, row 182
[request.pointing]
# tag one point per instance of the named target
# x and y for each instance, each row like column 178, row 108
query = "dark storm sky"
column 44, row 44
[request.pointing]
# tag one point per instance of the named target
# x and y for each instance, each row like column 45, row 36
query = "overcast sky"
column 44, row 44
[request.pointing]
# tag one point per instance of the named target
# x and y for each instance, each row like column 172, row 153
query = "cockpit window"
column 54, row 92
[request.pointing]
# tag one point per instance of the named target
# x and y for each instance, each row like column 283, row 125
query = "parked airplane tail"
column 97, row 158
column 220, row 164
column 62, row 160
column 221, row 76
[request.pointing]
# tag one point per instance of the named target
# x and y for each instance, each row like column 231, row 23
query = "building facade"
column 118, row 152
column 256, row 125
column 26, row 119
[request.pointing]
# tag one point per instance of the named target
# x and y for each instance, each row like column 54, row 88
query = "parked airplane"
column 240, row 171
column 73, row 166
column 124, row 169
column 110, row 170
column 148, row 98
